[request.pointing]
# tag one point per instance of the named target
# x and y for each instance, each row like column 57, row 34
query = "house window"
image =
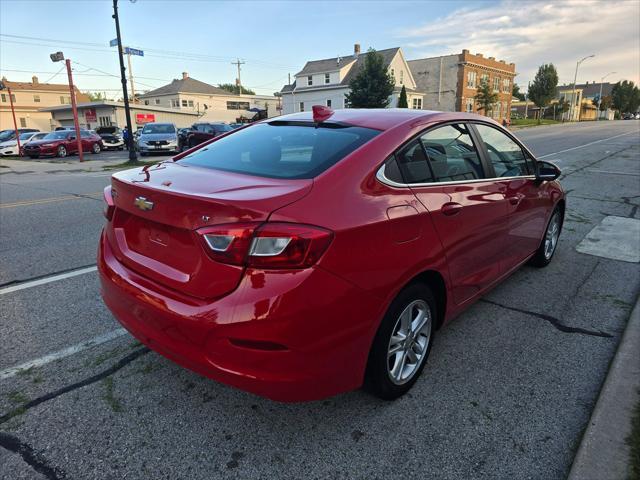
column 157, row 101
column 3, row 97
column 61, row 100
column 417, row 104
column 506, row 85
column 484, row 79
column 327, row 78
column 191, row 103
column 146, row 102
column 328, row 102
column 36, row 98
column 184, row 103
column 175, row 103
column 302, row 106
column 401, row 77
column 469, row 105
column 309, row 80
column 238, row 106
column 471, row 80
column 23, row 122
column 496, row 84
column 104, row 121
column 393, row 74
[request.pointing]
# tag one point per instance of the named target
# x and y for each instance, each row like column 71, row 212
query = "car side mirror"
column 546, row 171
column 72, row 138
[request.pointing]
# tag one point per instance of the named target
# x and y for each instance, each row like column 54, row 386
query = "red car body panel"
column 49, row 147
column 304, row 334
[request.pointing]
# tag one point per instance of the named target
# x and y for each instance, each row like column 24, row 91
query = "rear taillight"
column 267, row 245
column 109, row 205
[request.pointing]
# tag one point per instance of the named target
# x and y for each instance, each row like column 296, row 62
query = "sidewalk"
column 92, row 163
column 603, row 453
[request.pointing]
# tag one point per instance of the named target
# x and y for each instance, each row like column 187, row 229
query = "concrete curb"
column 603, row 453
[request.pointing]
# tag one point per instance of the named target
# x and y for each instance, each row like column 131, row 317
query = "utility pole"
column 13, row 113
column 75, row 110
column 600, row 94
column 238, row 63
column 526, row 101
column 123, row 78
column 575, row 79
column 133, row 91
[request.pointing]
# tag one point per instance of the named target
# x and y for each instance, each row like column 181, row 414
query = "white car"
column 10, row 147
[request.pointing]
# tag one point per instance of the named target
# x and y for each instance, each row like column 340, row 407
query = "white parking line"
column 43, row 281
column 586, row 144
column 67, row 352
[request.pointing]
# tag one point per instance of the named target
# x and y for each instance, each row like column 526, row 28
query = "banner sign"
column 90, row 115
column 142, row 118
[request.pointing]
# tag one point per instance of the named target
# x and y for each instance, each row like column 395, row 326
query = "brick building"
column 450, row 82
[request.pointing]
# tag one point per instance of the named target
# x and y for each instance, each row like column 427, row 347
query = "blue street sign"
column 134, row 51
column 113, row 43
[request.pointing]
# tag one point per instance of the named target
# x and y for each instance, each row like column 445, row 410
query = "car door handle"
column 515, row 200
column 451, row 208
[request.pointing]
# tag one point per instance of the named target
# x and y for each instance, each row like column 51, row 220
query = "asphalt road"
column 507, row 391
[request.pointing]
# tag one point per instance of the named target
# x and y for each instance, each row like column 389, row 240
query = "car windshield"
column 159, row 128
column 59, row 135
column 26, row 136
column 281, row 149
column 223, row 127
column 7, row 135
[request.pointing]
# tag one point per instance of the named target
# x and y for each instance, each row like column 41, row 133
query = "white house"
column 325, row 82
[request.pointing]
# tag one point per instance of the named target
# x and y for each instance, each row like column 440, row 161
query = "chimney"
column 479, row 55
column 356, row 49
column 185, row 75
column 492, row 58
column 34, row 80
column 465, row 51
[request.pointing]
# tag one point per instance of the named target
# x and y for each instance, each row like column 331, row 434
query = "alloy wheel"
column 409, row 342
column 551, row 236
column 62, row 152
column 96, row 148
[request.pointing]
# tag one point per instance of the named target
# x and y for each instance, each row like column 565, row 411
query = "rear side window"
column 281, row 150
column 506, row 156
column 413, row 163
column 451, row 154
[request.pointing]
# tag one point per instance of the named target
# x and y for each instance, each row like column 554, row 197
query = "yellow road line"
column 47, row 200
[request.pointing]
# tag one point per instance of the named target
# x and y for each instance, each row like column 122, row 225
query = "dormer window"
column 309, row 80
column 327, row 78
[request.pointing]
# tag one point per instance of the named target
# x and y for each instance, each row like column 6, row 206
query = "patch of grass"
column 25, row 372
column 109, row 397
column 633, row 440
column 16, row 397
column 532, row 122
column 103, row 357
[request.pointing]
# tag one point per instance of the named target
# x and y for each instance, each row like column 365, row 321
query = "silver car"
column 158, row 137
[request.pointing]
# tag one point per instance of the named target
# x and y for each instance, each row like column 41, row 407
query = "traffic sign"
column 133, row 51
column 113, row 43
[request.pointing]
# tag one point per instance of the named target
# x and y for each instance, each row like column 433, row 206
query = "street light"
column 123, row 78
column 575, row 78
column 600, row 94
column 58, row 57
column 13, row 113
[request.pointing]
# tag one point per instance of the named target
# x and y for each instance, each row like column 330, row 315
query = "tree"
column 95, row 97
column 230, row 87
column 605, row 103
column 372, row 86
column 543, row 88
column 402, row 100
column 625, row 97
column 485, row 98
column 515, row 92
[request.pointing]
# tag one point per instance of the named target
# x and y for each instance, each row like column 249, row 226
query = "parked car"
column 182, row 138
column 158, row 137
column 201, row 132
column 61, row 143
column 111, row 137
column 10, row 134
column 315, row 253
column 10, row 147
column 36, row 136
column 628, row 116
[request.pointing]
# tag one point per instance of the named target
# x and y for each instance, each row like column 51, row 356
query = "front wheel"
column 402, row 343
column 549, row 243
column 62, row 151
column 96, row 148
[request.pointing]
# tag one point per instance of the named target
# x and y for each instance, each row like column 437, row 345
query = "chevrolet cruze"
column 316, row 253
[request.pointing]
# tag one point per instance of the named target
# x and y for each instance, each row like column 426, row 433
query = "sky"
column 276, row 38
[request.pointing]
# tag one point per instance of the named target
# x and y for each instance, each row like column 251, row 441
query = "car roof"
column 384, row 118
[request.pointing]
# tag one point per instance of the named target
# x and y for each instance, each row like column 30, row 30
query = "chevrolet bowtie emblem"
column 143, row 204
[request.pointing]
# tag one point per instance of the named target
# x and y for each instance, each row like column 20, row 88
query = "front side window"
column 281, row 149
column 452, row 154
column 506, row 156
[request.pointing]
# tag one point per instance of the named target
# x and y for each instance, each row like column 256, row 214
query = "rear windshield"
column 281, row 150
column 159, row 128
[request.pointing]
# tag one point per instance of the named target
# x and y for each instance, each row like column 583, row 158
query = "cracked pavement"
column 507, row 391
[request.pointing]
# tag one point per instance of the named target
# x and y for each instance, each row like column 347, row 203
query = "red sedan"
column 309, row 255
column 62, row 143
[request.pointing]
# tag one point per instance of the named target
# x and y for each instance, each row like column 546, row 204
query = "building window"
column 23, row 122
column 401, row 77
column 327, row 78
column 506, row 85
column 309, row 80
column 471, row 80
column 146, row 102
column 157, row 101
column 238, row 106
column 65, row 100
column 328, row 102
column 302, row 106
column 496, row 84
column 36, row 98
column 184, row 103
column 175, row 103
column 469, row 105
column 191, row 103
column 417, row 104
column 104, row 121
column 3, row 97
column 393, row 74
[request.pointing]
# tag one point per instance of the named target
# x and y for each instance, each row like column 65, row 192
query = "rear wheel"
column 62, row 151
column 549, row 243
column 33, row 156
column 402, row 343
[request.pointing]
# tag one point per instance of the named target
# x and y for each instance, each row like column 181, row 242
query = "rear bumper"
column 320, row 325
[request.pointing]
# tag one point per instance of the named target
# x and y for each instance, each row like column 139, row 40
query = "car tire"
column 61, row 152
column 549, row 243
column 395, row 361
column 143, row 154
column 95, row 148
column 33, row 156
